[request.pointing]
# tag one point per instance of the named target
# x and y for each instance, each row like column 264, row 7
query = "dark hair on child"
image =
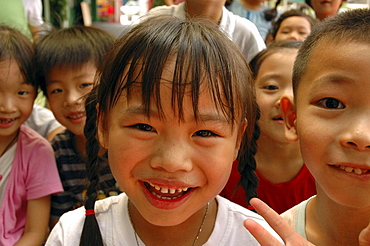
column 349, row 26
column 271, row 14
column 275, row 47
column 15, row 45
column 203, row 56
column 291, row 13
column 70, row 48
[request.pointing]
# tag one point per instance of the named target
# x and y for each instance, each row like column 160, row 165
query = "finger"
column 364, row 238
column 281, row 227
column 260, row 233
column 274, row 219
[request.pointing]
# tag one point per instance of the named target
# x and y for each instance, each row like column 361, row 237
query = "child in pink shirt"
column 28, row 173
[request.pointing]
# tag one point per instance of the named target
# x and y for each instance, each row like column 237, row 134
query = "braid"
column 247, row 163
column 91, row 234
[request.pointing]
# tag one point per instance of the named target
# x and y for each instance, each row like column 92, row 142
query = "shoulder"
column 296, row 216
column 31, row 139
column 63, row 140
column 229, row 229
column 68, row 229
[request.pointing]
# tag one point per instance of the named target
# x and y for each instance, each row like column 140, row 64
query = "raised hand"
column 364, row 237
column 287, row 233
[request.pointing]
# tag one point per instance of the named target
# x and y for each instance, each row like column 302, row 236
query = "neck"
column 278, row 161
column 200, row 8
column 7, row 142
column 252, row 4
column 182, row 234
column 329, row 223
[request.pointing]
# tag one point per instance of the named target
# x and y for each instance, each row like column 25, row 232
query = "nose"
column 357, row 135
column 72, row 97
column 172, row 155
column 284, row 92
column 294, row 36
column 7, row 104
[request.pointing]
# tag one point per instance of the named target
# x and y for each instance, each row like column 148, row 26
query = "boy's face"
column 16, row 99
column 170, row 169
column 66, row 88
column 333, row 120
column 273, row 81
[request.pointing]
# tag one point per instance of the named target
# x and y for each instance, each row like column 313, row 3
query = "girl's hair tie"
column 89, row 212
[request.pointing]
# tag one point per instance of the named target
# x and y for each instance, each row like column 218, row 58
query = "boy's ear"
column 103, row 141
column 288, row 110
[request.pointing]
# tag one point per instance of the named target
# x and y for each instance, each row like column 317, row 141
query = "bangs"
column 200, row 61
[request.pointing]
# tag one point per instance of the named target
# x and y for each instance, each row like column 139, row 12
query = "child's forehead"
column 336, row 64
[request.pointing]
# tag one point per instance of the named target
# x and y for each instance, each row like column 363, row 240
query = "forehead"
column 337, row 63
column 295, row 21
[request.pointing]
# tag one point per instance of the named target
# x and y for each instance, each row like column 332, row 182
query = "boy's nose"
column 71, row 98
column 172, row 156
column 357, row 135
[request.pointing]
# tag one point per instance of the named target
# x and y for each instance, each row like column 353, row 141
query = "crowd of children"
column 176, row 127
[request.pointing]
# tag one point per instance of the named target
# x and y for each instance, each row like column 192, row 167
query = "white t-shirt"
column 240, row 30
column 42, row 120
column 33, row 11
column 117, row 229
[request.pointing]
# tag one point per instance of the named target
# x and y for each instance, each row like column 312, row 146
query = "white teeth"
column 77, row 116
column 165, row 190
column 6, row 121
column 355, row 170
column 358, row 171
column 348, row 169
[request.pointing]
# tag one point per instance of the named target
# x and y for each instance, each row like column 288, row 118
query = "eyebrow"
column 206, row 117
column 333, row 79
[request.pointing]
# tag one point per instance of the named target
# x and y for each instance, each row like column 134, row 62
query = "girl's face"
column 169, row 168
column 66, row 88
column 16, row 99
column 273, row 81
column 293, row 28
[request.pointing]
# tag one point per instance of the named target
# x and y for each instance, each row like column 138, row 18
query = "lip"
column 356, row 170
column 166, row 204
column 7, row 122
column 77, row 117
column 278, row 119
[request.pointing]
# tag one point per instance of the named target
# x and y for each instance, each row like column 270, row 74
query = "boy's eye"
column 205, row 133
column 331, row 103
column 56, row 91
column 85, row 85
column 23, row 93
column 143, row 127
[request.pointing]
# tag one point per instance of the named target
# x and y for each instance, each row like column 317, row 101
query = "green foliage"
column 58, row 12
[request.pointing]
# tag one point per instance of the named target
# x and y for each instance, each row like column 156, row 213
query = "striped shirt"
column 72, row 171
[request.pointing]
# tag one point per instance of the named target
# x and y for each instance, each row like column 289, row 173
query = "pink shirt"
column 33, row 175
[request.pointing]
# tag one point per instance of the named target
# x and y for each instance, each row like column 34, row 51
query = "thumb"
column 364, row 238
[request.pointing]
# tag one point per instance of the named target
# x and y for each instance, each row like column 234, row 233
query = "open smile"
column 166, row 193
column 358, row 171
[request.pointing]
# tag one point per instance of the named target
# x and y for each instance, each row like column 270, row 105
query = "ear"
column 288, row 110
column 241, row 131
column 102, row 137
